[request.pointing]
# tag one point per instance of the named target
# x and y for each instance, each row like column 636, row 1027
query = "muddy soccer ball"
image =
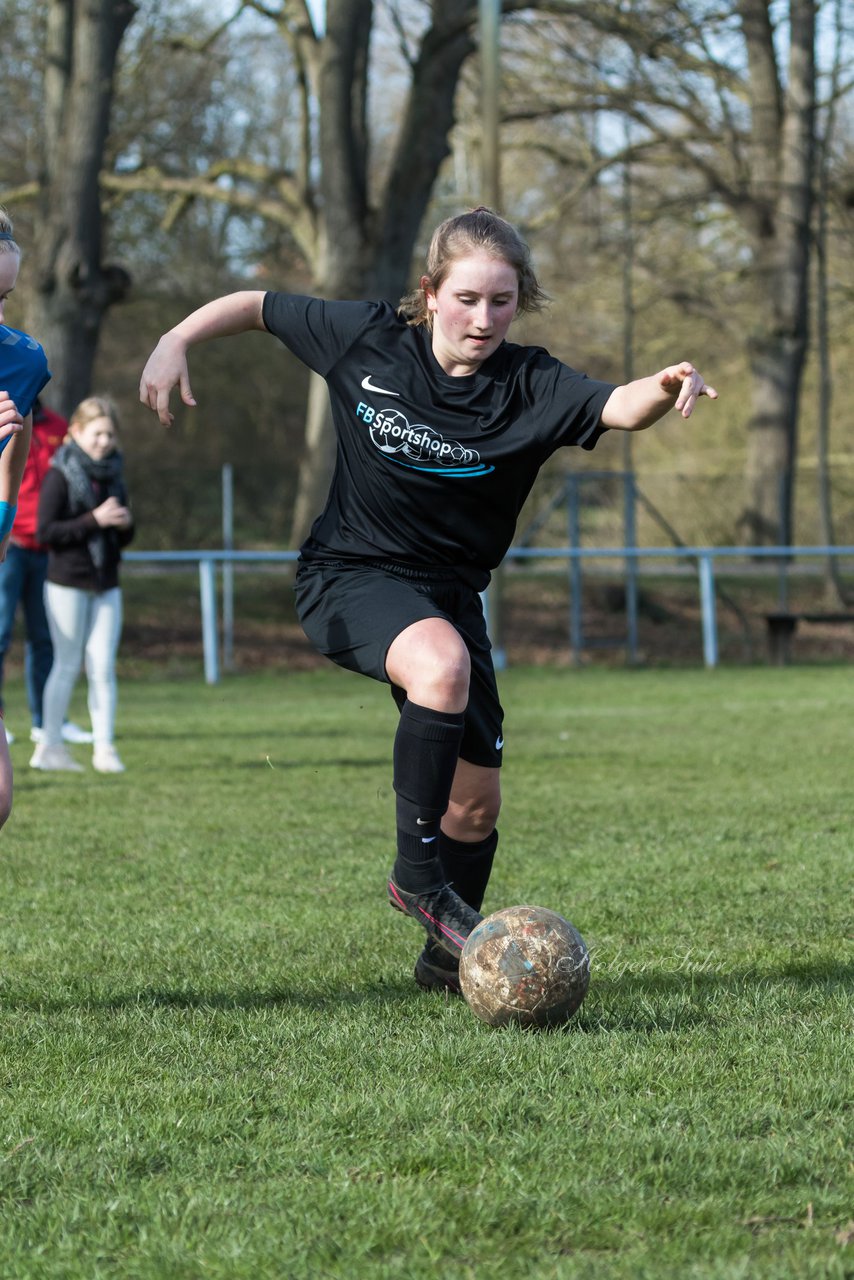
column 525, row 965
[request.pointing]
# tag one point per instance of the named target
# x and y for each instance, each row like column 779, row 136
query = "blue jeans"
column 22, row 579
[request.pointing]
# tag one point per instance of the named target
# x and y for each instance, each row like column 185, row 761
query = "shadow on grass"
column 279, row 732
column 343, row 762
column 655, row 1000
column 218, row 1001
column 647, row 1003
column 202, row 764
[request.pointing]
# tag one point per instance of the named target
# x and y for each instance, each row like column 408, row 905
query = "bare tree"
column 723, row 107
column 74, row 288
column 363, row 247
column 707, row 96
column 357, row 242
column 779, row 210
column 834, row 582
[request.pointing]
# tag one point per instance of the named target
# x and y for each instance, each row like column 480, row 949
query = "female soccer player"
column 442, row 426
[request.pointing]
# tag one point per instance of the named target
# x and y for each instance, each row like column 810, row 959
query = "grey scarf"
column 82, row 473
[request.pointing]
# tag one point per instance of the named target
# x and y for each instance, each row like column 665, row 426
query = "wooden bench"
column 783, row 624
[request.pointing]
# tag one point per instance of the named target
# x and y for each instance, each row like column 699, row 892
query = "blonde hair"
column 93, row 407
column 8, row 243
column 478, row 231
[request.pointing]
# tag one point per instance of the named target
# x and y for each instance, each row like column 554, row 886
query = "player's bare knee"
column 431, row 662
column 452, row 680
column 475, row 817
column 443, row 682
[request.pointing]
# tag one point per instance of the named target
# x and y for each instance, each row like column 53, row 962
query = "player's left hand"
column 686, row 383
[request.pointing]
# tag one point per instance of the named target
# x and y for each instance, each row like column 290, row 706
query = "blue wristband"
column 7, row 518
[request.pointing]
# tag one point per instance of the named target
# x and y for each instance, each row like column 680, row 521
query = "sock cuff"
column 431, row 725
column 470, row 849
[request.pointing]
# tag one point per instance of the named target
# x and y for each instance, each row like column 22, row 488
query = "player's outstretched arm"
column 639, row 404
column 167, row 366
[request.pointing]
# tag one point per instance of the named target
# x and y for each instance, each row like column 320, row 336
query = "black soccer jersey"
column 431, row 470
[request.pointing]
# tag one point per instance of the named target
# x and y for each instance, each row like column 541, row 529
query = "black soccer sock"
column 467, row 866
column 426, row 750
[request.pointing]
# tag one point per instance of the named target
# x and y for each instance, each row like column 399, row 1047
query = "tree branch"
column 285, row 208
column 22, row 194
column 191, row 45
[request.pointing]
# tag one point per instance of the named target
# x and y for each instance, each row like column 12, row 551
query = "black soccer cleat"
column 447, row 919
column 437, row 970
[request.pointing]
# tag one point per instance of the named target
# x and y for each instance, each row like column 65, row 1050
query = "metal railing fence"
column 703, row 557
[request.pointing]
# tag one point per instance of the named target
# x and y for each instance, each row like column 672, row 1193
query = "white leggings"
column 83, row 624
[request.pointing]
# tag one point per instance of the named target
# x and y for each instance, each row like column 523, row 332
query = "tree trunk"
column 318, row 460
column 783, row 149
column 776, row 364
column 362, row 252
column 74, row 288
column 835, row 589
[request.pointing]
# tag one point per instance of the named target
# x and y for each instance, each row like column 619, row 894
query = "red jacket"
column 49, row 430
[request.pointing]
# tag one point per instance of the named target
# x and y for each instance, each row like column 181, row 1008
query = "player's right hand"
column 11, row 422
column 166, row 368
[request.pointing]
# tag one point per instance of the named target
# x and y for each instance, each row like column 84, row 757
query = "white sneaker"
column 10, row 737
column 106, row 759
column 72, row 732
column 56, row 759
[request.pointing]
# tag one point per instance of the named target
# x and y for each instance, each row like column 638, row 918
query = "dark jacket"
column 69, row 562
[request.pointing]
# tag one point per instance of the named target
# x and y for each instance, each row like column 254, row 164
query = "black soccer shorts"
column 351, row 613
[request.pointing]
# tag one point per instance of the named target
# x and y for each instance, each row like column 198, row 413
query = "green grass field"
column 215, row 1062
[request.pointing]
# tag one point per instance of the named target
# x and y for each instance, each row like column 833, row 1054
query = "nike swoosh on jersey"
column 370, row 386
column 499, row 743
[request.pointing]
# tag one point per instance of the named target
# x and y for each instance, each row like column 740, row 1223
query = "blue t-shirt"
column 23, row 367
